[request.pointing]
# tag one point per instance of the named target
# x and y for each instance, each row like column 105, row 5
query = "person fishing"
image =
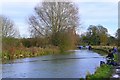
column 110, row 58
column 110, row 54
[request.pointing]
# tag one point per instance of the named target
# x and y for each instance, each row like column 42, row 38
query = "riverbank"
column 102, row 73
column 105, row 71
column 104, row 50
column 23, row 52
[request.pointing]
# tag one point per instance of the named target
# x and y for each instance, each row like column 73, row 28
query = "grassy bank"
column 16, row 53
column 102, row 73
column 100, row 51
column 104, row 50
column 105, row 71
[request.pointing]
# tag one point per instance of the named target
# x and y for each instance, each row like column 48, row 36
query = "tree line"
column 98, row 35
column 55, row 23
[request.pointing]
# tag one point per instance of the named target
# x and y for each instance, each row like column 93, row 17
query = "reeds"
column 16, row 53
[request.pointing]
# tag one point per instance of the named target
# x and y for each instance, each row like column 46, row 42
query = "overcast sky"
column 90, row 12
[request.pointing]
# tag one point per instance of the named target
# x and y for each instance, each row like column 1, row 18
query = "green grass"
column 103, row 72
column 101, row 51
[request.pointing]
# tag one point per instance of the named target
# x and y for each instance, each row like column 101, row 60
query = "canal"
column 74, row 65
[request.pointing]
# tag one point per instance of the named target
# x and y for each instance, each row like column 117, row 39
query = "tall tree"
column 8, row 27
column 103, row 34
column 53, row 17
column 111, row 40
column 57, row 21
column 97, row 35
column 93, row 36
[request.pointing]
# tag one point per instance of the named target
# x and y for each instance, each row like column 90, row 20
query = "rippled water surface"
column 74, row 65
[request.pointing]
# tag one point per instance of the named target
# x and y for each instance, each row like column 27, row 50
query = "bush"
column 64, row 41
column 10, row 42
column 22, row 52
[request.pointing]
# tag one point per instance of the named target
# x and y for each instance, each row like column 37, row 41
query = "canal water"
column 74, row 65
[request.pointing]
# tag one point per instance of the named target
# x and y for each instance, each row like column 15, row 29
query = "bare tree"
column 8, row 28
column 53, row 17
